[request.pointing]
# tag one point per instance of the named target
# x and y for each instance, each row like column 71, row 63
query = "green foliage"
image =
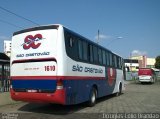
column 157, row 64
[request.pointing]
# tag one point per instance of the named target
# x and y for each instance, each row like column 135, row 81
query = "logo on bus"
column 31, row 41
column 111, row 76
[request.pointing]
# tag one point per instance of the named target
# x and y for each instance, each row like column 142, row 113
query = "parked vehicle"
column 157, row 72
column 146, row 75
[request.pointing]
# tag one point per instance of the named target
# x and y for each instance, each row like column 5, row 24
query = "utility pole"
column 98, row 37
column 131, row 66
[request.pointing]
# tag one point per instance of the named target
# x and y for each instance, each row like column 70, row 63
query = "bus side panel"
column 78, row 91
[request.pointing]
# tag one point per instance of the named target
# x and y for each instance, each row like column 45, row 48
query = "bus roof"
column 53, row 26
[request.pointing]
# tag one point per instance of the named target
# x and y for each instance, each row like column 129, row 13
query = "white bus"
column 56, row 65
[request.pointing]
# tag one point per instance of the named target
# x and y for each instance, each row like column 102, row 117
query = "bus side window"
column 107, row 59
column 110, row 59
column 85, row 51
column 104, row 57
column 115, row 61
column 90, row 53
column 118, row 60
column 80, row 52
column 71, row 45
column 100, row 56
column 95, row 54
column 121, row 63
column 71, row 42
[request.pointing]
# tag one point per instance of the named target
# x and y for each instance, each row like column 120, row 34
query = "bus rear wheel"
column 92, row 97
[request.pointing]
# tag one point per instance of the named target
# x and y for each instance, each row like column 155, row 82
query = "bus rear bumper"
column 57, row 97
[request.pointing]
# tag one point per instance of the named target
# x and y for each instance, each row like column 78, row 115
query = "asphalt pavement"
column 137, row 101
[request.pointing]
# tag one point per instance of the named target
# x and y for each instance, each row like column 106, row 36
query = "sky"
column 126, row 27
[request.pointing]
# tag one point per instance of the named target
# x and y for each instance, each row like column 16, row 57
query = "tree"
column 157, row 64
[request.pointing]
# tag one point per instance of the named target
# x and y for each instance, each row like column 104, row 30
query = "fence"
column 131, row 75
column 4, row 77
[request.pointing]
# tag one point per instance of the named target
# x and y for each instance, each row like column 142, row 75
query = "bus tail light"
column 10, row 86
column 59, row 84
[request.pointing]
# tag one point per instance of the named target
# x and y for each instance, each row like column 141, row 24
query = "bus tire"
column 92, row 97
column 120, row 90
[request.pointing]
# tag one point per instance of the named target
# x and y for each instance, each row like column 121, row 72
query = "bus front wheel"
column 120, row 90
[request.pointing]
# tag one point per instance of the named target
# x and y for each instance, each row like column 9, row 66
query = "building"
column 4, row 72
column 151, row 62
column 7, row 48
column 144, row 61
column 131, row 65
column 136, row 62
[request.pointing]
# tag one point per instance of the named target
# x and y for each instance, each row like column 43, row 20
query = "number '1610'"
column 49, row 68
